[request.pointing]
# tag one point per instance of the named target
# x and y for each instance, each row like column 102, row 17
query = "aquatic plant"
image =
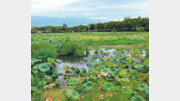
column 137, row 98
column 89, row 85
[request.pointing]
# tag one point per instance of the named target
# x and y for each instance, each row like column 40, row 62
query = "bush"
column 114, row 30
column 140, row 29
column 43, row 50
column 72, row 48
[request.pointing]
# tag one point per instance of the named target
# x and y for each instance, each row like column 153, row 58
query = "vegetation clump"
column 140, row 29
column 43, row 50
column 71, row 47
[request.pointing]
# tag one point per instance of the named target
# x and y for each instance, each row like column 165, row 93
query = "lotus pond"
column 69, row 69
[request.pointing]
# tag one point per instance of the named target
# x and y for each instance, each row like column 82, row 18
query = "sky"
column 90, row 9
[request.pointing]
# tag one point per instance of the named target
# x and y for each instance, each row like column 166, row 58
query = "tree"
column 127, row 24
column 109, row 26
column 145, row 23
column 91, row 27
column 64, row 27
column 34, row 29
column 99, row 27
column 140, row 29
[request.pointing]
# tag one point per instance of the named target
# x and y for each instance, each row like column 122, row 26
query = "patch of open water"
column 77, row 62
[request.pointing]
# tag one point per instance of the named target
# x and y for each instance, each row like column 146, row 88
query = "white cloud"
column 89, row 9
column 38, row 7
column 106, row 18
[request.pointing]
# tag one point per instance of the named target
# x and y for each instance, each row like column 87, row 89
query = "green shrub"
column 72, row 48
column 140, row 29
column 43, row 50
column 114, row 30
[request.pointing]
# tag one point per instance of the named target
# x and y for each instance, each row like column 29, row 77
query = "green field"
column 98, row 38
column 122, row 75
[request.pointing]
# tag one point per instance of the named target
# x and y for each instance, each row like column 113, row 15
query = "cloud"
column 92, row 9
column 43, row 7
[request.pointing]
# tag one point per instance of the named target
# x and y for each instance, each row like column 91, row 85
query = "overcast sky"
column 91, row 9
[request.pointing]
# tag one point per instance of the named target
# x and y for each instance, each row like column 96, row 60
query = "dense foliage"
column 128, row 24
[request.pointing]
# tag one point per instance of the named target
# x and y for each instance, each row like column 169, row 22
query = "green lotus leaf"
column 80, row 90
column 51, row 60
column 133, row 94
column 142, row 86
column 36, row 66
column 72, row 81
column 108, row 86
column 35, row 72
column 44, row 67
column 74, row 95
column 89, row 85
column 34, row 60
column 147, row 90
column 137, row 98
column 47, row 78
column 123, row 73
column 68, row 92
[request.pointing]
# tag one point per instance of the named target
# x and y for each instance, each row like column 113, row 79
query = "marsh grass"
column 73, row 48
column 42, row 50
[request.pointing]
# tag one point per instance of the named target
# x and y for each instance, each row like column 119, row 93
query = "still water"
column 78, row 62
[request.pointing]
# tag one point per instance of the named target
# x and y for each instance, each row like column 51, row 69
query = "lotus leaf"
column 72, row 81
column 108, row 86
column 44, row 67
column 142, row 86
column 123, row 73
column 89, row 85
column 137, row 98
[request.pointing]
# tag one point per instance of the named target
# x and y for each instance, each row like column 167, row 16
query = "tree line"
column 128, row 24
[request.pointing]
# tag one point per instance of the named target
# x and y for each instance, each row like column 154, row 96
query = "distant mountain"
column 40, row 21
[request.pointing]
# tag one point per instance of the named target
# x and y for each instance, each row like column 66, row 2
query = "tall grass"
column 71, row 47
column 43, row 50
